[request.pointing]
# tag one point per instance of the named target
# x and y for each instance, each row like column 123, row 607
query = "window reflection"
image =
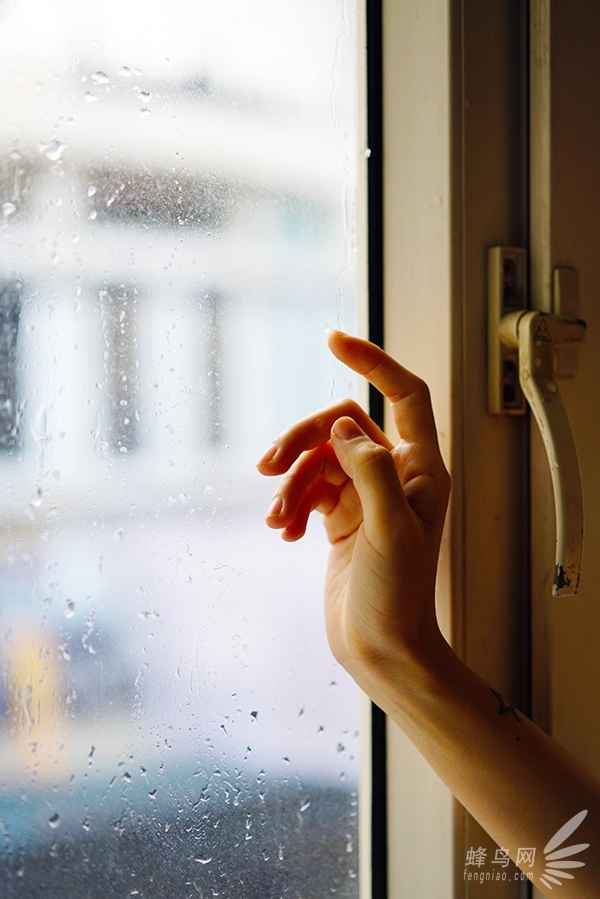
column 176, row 185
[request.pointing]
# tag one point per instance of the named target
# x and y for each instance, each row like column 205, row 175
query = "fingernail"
column 268, row 455
column 275, row 508
column 346, row 429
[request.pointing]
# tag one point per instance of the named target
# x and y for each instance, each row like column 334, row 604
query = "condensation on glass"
column 177, row 194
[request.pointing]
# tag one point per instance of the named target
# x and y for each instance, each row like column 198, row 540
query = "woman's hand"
column 383, row 507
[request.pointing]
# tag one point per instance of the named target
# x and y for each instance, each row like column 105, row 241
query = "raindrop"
column 145, row 112
column 85, row 824
column 91, row 190
column 125, row 71
column 64, row 652
column 305, row 804
column 204, row 861
column 90, row 97
column 118, row 535
column 8, row 208
column 126, row 777
column 36, row 497
column 254, row 715
column 54, row 150
column 100, row 78
column 54, row 821
column 69, row 608
column 152, row 794
column 145, row 96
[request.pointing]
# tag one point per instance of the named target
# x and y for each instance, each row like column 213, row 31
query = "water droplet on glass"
column 85, row 824
column 91, row 190
column 145, row 96
column 93, row 214
column 54, row 821
column 54, row 150
column 204, row 861
column 90, row 97
column 69, row 608
column 145, row 112
column 305, row 805
column 125, row 72
column 8, row 208
column 152, row 794
column 118, row 535
column 36, row 497
column 100, row 78
column 126, row 777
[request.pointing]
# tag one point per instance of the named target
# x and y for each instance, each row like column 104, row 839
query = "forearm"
column 515, row 780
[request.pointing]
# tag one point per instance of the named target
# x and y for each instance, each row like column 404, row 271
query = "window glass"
column 177, row 196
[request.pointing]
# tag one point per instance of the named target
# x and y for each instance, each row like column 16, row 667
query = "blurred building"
column 177, row 207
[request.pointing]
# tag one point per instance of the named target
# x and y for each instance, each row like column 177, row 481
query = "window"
column 178, row 192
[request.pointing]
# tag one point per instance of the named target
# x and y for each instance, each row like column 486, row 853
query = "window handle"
column 536, row 336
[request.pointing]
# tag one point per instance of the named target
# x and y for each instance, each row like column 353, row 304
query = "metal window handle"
column 536, row 336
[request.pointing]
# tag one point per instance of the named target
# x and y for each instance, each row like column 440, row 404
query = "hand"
column 383, row 507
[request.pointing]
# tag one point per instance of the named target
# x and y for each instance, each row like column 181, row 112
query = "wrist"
column 409, row 676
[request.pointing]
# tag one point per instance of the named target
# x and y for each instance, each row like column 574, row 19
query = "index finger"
column 408, row 394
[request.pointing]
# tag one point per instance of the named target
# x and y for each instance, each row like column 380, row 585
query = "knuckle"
column 376, row 456
column 346, row 406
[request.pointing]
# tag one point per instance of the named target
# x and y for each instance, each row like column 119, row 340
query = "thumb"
column 373, row 472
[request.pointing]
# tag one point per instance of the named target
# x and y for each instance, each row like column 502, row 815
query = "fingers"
column 408, row 394
column 322, row 497
column 371, row 469
column 314, row 431
column 317, row 482
column 319, row 465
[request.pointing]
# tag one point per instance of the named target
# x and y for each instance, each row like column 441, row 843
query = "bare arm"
column 384, row 509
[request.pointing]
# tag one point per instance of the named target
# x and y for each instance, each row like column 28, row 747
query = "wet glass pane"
column 177, row 194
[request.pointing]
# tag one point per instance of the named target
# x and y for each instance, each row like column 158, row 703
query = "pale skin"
column 384, row 506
